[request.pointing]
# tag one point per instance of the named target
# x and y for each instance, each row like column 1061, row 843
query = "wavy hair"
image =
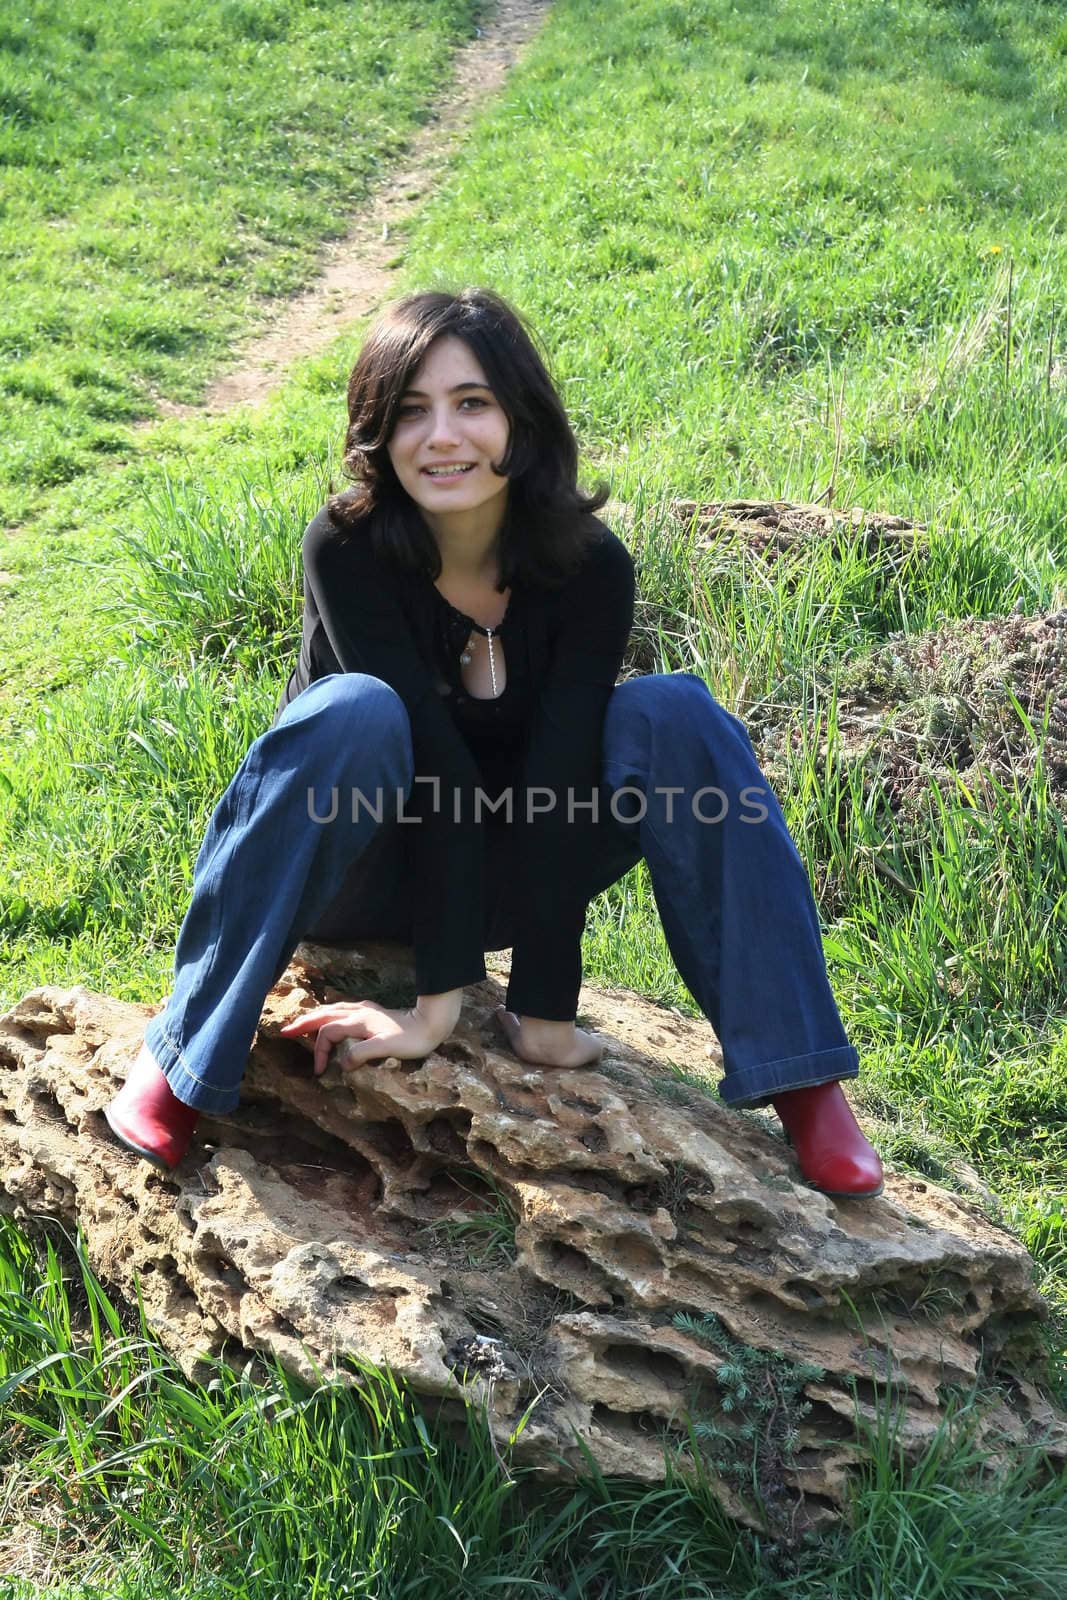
column 548, row 521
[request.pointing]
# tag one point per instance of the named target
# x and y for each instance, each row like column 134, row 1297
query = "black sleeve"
column 367, row 631
column 564, row 753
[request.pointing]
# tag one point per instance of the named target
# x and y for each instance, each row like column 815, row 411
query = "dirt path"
column 354, row 275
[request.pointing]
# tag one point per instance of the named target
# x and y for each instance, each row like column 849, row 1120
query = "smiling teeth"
column 446, row 472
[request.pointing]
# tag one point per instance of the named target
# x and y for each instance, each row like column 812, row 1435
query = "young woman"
column 453, row 766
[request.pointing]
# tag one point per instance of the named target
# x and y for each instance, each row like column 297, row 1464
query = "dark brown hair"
column 548, row 522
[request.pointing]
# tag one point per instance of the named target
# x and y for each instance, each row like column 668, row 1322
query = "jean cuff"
column 754, row 1086
column 184, row 1083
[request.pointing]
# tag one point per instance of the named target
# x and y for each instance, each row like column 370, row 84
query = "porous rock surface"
column 781, row 531
column 322, row 1221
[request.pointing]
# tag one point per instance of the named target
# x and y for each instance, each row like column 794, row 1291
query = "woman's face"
column 449, row 432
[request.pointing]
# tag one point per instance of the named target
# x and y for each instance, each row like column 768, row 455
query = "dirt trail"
column 354, row 275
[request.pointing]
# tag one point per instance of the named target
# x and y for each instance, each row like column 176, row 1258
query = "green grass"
column 767, row 247
column 253, row 1485
column 755, row 208
column 165, row 167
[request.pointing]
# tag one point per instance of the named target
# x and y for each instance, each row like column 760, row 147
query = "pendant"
column 466, row 657
column 492, row 663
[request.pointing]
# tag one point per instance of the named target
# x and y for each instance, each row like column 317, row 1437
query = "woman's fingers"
column 310, row 1021
column 332, row 1033
column 371, row 1049
column 375, row 1032
column 325, row 1014
column 349, row 1020
column 323, row 1043
column 373, row 1035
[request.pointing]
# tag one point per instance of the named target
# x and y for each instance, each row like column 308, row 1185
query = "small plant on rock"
column 485, row 1237
column 762, row 1398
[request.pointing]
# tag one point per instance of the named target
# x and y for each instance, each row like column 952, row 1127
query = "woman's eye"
column 412, row 408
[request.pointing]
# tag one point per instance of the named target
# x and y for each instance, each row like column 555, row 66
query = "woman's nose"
column 442, row 426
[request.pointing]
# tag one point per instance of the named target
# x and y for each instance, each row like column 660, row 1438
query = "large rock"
column 531, row 1235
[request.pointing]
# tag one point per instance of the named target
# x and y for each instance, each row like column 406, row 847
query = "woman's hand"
column 549, row 1044
column 375, row 1032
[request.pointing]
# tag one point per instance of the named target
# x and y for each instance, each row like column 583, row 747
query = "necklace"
column 465, row 658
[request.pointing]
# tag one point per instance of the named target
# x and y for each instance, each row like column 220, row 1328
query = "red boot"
column 147, row 1116
column 834, row 1156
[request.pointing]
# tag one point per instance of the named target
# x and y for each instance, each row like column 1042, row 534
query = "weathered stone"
column 782, row 530
column 322, row 1221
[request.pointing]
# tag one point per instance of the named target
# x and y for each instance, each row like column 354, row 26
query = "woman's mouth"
column 449, row 473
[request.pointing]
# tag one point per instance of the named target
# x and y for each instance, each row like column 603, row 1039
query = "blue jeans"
column 680, row 786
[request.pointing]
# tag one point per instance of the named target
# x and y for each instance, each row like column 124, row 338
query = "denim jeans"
column 680, row 786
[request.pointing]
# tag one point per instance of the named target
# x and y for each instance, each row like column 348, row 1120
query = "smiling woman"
column 446, row 448
column 466, row 506
column 438, row 370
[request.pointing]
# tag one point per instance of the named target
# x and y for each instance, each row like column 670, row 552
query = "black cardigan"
column 563, row 649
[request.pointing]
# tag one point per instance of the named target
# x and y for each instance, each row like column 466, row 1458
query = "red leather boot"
column 147, row 1116
column 834, row 1156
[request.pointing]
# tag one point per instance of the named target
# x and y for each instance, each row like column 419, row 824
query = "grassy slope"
column 712, row 218
column 163, row 168
column 734, row 201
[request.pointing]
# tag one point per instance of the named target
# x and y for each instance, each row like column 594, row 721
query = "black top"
column 563, row 649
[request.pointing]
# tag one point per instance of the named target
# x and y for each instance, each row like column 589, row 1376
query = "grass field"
column 776, row 249
column 166, row 166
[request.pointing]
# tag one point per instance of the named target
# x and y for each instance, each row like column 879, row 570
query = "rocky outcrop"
column 977, row 696
column 598, row 1254
column 782, row 532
